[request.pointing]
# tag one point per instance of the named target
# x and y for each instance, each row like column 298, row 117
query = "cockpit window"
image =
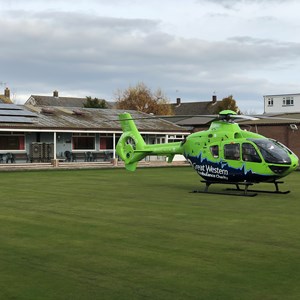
column 283, row 146
column 249, row 153
column 272, row 152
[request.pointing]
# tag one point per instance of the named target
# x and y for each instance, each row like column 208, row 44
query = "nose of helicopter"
column 283, row 170
column 294, row 164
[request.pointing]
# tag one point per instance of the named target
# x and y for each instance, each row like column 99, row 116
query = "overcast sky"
column 190, row 49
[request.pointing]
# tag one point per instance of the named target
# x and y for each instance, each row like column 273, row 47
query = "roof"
column 265, row 119
column 38, row 100
column 295, row 94
column 274, row 119
column 86, row 119
column 196, row 108
column 194, row 121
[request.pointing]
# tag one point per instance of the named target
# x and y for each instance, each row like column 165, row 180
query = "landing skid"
column 238, row 191
column 243, row 194
column 277, row 191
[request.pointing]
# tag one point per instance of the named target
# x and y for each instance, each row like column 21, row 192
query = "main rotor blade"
column 277, row 118
column 166, row 117
column 215, row 117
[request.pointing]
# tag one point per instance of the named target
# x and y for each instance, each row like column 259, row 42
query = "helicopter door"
column 232, row 151
column 249, row 153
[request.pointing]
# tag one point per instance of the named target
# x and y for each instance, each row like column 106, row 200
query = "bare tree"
column 141, row 98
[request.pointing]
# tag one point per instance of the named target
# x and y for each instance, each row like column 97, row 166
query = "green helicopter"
column 222, row 154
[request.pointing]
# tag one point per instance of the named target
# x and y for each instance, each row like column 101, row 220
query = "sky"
column 189, row 49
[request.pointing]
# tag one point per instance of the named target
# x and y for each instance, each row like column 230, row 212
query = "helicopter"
column 223, row 154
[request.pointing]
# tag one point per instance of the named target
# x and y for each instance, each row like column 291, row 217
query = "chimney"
column 55, row 94
column 7, row 93
column 214, row 99
column 178, row 101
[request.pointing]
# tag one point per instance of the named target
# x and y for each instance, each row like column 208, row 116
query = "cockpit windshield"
column 272, row 152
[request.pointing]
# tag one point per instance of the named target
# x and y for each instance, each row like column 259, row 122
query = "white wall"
column 278, row 103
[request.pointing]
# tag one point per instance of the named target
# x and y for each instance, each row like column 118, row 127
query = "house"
column 56, row 100
column 196, row 108
column 185, row 113
column 31, row 133
column 282, row 103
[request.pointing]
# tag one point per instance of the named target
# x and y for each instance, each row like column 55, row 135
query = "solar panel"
column 10, row 106
column 13, row 119
column 21, row 113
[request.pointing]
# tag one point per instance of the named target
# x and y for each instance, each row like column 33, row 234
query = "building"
column 282, row 103
column 43, row 133
column 56, row 100
column 185, row 113
column 193, row 108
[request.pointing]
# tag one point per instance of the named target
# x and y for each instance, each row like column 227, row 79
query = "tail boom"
column 132, row 148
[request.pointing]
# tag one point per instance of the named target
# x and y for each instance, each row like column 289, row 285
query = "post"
column 115, row 161
column 114, row 145
column 54, row 161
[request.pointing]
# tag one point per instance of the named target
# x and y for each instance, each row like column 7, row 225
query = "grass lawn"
column 112, row 234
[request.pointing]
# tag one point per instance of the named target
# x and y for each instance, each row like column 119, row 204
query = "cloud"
column 87, row 54
column 233, row 3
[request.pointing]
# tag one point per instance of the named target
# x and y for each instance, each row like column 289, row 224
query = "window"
column 214, row 150
column 288, row 101
column 176, row 138
column 270, row 102
column 249, row 153
column 83, row 141
column 232, row 151
column 12, row 141
column 106, row 141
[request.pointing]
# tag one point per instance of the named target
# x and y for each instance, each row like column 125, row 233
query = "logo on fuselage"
column 210, row 171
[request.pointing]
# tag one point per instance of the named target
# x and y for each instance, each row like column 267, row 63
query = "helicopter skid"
column 241, row 191
column 277, row 191
column 227, row 194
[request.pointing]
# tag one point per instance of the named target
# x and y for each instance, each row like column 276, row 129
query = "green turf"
column 112, row 234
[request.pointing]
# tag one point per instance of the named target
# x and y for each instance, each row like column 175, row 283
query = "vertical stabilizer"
column 131, row 144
